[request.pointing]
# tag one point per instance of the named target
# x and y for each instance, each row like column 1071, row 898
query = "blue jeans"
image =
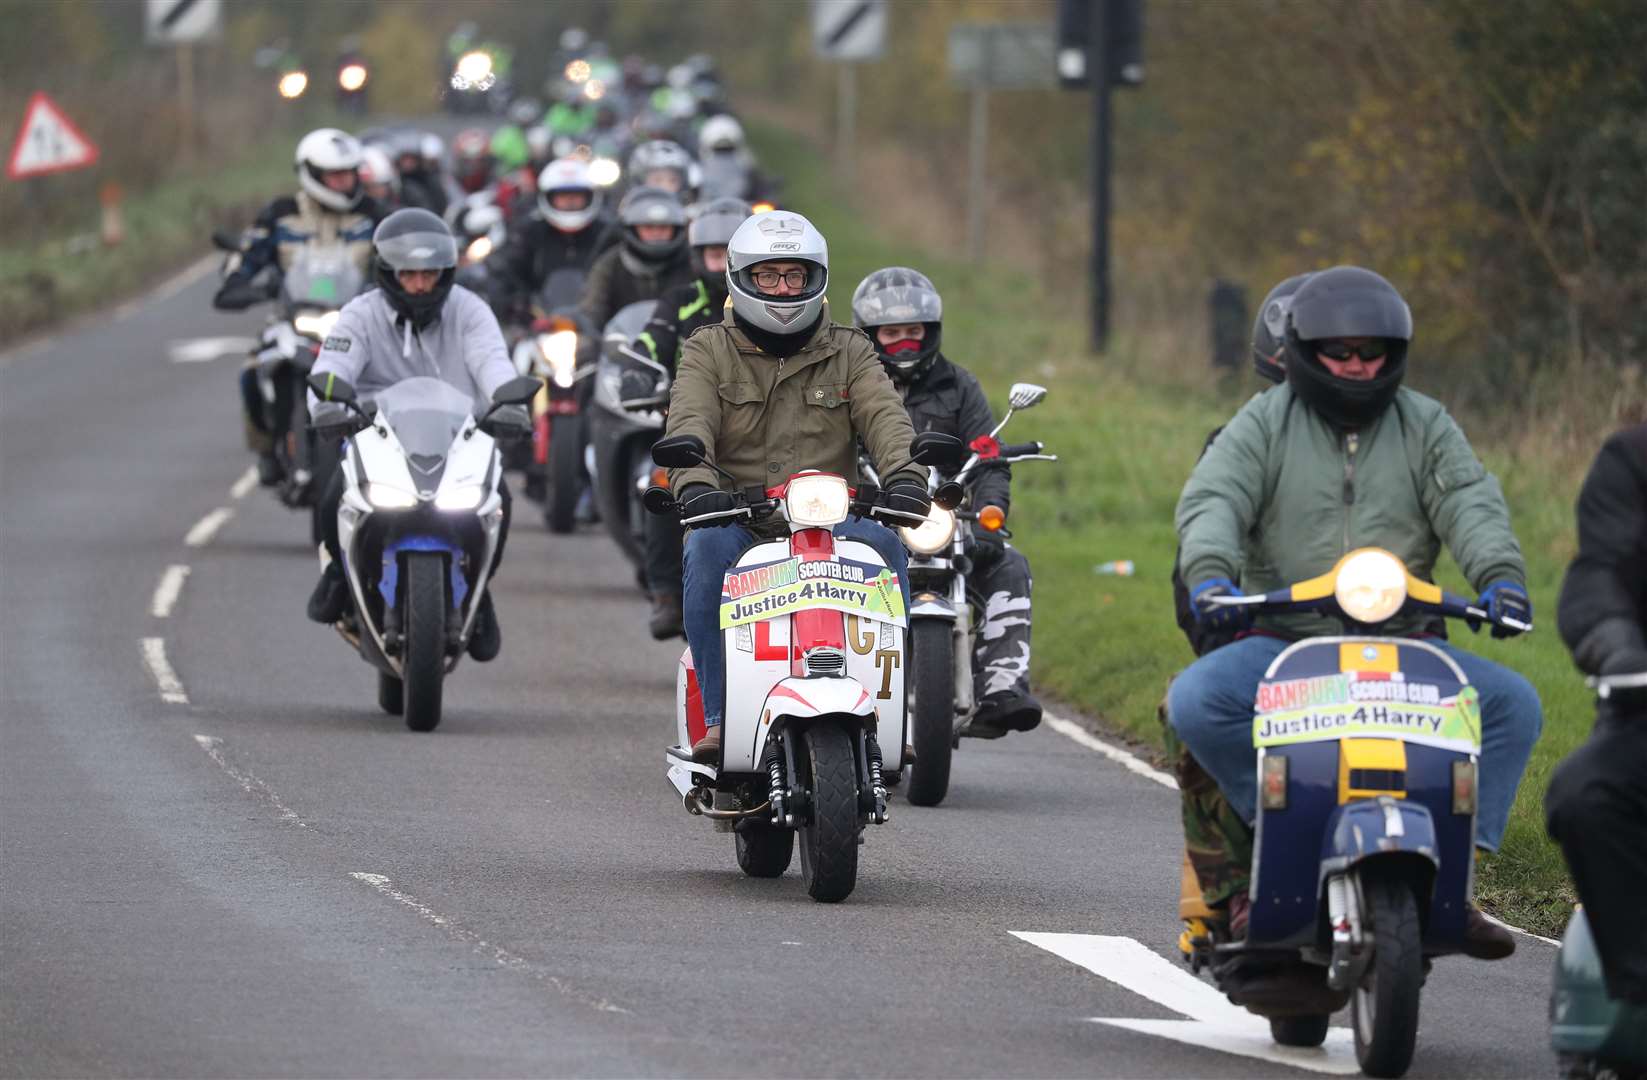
column 1210, row 706
column 710, row 553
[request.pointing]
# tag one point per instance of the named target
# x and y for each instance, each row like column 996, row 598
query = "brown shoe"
column 666, row 621
column 707, row 750
column 1485, row 939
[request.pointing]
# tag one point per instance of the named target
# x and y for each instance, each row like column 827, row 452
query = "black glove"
column 907, row 499
column 1231, row 619
column 510, row 422
column 237, row 295
column 1506, row 600
column 696, row 499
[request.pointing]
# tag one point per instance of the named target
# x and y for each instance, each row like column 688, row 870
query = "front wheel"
column 932, row 716
column 764, row 851
column 423, row 657
column 829, row 837
column 1385, row 1005
column 565, row 472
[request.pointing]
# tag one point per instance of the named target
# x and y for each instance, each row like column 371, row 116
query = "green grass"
column 1127, row 439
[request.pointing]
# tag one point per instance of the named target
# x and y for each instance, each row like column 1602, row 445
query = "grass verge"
column 1127, row 438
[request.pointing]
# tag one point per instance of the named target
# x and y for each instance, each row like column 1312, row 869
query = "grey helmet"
column 661, row 154
column 717, row 221
column 892, row 297
column 1269, row 330
column 415, row 239
column 1347, row 302
column 777, row 236
column 651, row 206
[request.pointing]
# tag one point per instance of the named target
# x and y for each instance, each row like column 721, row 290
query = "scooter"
column 814, row 631
column 1363, row 855
column 418, row 527
column 623, row 425
column 943, row 616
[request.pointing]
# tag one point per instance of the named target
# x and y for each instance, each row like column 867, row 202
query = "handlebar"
column 1014, row 450
column 1442, row 603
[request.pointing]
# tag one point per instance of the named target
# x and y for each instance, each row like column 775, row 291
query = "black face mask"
column 782, row 346
column 1346, row 404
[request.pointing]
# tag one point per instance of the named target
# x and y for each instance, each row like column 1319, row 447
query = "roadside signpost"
column 848, row 31
column 48, row 142
column 182, row 23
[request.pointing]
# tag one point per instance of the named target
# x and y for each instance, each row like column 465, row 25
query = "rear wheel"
column 423, row 658
column 829, row 837
column 565, row 469
column 391, row 694
column 1308, row 1030
column 1385, row 1005
column 764, row 851
column 932, row 716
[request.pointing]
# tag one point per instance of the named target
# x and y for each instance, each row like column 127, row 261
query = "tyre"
column 829, row 836
column 932, row 716
column 764, row 851
column 1308, row 1030
column 391, row 694
column 565, row 471
column 1384, row 1007
column 423, row 656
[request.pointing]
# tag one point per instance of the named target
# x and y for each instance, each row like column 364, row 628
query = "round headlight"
column 1371, row 586
column 932, row 535
column 819, row 500
column 560, row 354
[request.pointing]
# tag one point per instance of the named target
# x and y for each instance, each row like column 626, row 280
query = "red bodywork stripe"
column 813, row 627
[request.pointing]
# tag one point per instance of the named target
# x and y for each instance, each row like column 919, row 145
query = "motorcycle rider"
column 1343, row 456
column 662, row 163
column 378, row 177
column 329, row 207
column 774, row 388
column 679, row 313
column 417, row 322
column 560, row 232
column 727, row 165
column 1597, row 801
column 902, row 312
column 650, row 259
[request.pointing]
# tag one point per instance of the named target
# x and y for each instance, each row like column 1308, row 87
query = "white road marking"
column 168, row 288
column 165, row 593
column 204, row 350
column 249, row 783
column 171, row 687
column 247, row 481
column 206, row 528
column 1214, row 1023
column 1523, row 933
column 499, row 955
column 1127, row 760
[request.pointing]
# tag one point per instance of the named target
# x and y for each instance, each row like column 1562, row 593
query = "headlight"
column 318, row 326
column 478, row 249
column 815, row 501
column 932, row 535
column 474, row 67
column 385, row 497
column 560, row 355
column 604, row 172
column 1371, row 586
column 292, row 84
column 463, row 497
column 352, row 77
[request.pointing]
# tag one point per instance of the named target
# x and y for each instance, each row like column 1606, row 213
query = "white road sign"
column 849, row 29
column 48, row 142
column 171, row 22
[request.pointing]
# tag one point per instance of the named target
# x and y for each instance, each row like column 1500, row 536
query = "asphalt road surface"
column 265, row 875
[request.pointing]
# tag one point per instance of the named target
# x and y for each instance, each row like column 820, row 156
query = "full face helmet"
column 329, row 150
column 568, row 174
column 715, row 225
column 1347, row 302
column 777, row 236
column 415, row 239
column 898, row 296
column 652, row 206
column 1269, row 330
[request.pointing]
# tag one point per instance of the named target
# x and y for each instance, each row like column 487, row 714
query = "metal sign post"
column 182, row 23
column 848, row 31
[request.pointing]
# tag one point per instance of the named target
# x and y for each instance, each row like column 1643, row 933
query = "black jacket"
column 615, row 282
column 680, row 311
column 1602, row 614
column 948, row 399
column 533, row 250
column 284, row 227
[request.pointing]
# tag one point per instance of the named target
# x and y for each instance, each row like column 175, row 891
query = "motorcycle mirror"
column 224, row 240
column 517, row 391
column 679, row 452
column 949, row 495
column 658, row 501
column 937, row 449
column 331, row 388
column 1023, row 395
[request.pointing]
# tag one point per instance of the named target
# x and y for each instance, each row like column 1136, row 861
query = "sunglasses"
column 1337, row 350
column 768, row 279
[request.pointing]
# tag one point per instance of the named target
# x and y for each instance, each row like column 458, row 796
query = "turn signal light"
column 1464, row 794
column 1272, row 785
column 660, row 477
column 992, row 518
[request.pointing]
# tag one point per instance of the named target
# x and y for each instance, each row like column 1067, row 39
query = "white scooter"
column 418, row 527
column 814, row 634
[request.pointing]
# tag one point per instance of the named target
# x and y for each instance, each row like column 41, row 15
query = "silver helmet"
column 897, row 296
column 652, row 206
column 777, row 236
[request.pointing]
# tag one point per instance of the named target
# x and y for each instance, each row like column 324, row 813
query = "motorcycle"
column 418, row 527
column 814, row 631
column 479, row 226
column 943, row 616
column 557, row 351
column 1363, row 856
column 626, row 418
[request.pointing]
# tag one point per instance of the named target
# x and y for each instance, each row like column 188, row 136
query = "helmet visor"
column 419, row 251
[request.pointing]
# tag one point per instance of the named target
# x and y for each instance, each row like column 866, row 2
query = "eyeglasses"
column 768, row 279
column 1376, row 349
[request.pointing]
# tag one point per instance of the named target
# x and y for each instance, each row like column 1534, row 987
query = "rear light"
column 1464, row 789
column 1272, row 783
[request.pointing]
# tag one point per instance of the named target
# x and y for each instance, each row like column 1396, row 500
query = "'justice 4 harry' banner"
column 755, row 593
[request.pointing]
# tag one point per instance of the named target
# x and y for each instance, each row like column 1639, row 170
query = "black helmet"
column 1269, row 330
column 717, row 220
column 651, row 206
column 1346, row 302
column 415, row 239
column 892, row 297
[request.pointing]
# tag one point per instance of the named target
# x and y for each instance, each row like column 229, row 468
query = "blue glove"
column 1506, row 599
column 1231, row 619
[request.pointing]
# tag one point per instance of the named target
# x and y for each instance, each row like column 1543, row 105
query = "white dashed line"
column 207, row 349
column 171, row 687
column 247, row 481
column 207, row 527
column 171, row 287
column 249, row 783
column 165, row 594
column 1129, row 761
column 499, row 955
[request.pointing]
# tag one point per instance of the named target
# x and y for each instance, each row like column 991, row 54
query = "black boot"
column 331, row 596
column 486, row 639
column 269, row 472
column 1001, row 713
column 666, row 619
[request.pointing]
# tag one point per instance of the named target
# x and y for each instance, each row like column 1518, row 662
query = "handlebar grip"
column 1020, row 449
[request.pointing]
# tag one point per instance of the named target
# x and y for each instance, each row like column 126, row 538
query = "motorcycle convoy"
column 1368, row 746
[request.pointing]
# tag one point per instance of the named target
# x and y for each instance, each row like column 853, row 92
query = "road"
column 274, row 878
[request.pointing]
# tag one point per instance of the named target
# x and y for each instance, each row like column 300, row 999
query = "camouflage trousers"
column 1218, row 842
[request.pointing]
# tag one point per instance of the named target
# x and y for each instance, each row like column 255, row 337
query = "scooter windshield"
column 425, row 413
column 322, row 276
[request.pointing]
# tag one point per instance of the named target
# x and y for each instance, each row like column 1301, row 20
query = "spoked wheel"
column 1385, row 1005
column 764, row 851
column 565, row 468
column 932, row 716
column 1308, row 1030
column 391, row 694
column 829, row 837
column 423, row 659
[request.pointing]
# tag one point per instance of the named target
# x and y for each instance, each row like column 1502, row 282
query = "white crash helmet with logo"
column 568, row 174
column 329, row 150
column 777, row 236
column 721, row 133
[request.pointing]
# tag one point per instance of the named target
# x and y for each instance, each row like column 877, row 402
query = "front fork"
column 784, row 790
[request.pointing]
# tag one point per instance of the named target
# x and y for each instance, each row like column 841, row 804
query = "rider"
column 1343, row 457
column 1597, row 800
column 649, row 260
column 902, row 312
column 679, row 313
column 415, row 323
column 661, row 163
column 378, row 177
column 728, row 166
column 775, row 388
column 560, row 233
column 329, row 207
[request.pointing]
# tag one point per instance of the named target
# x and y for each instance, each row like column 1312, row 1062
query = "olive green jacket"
column 1281, row 483
column 765, row 419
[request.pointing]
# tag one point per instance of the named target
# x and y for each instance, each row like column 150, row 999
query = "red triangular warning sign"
column 48, row 143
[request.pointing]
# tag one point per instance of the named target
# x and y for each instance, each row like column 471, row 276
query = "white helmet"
column 568, row 174
column 721, row 133
column 781, row 236
column 328, row 150
column 376, row 168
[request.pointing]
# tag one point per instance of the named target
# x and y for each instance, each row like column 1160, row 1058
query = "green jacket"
column 1282, row 483
column 765, row 419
